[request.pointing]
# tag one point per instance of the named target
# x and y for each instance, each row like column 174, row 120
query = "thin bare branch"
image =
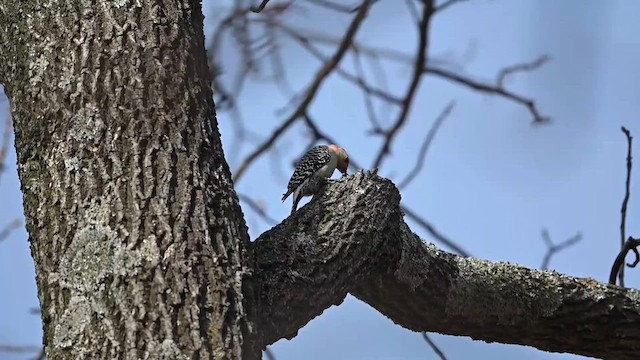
column 259, row 8
column 553, row 249
column 413, row 11
column 618, row 264
column 618, row 267
column 4, row 143
column 9, row 229
column 306, row 43
column 19, row 349
column 254, row 54
column 625, row 201
column 435, row 233
column 384, row 53
column 368, row 99
column 277, row 64
column 333, row 6
column 269, row 354
column 420, row 63
column 422, row 154
column 42, row 355
column 508, row 71
column 490, row 89
column 447, row 4
column 312, row 90
column 258, row 209
column 433, row 346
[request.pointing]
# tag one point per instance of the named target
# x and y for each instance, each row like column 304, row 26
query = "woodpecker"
column 313, row 169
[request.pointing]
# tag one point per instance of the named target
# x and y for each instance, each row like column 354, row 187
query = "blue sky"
column 491, row 181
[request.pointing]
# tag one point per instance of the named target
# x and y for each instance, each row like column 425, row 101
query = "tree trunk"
column 135, row 230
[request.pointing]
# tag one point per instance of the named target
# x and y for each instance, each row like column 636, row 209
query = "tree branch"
column 13, row 225
column 447, row 4
column 433, row 346
column 260, row 7
column 424, row 148
column 352, row 239
column 412, row 89
column 618, row 264
column 437, row 235
column 4, row 143
column 623, row 208
column 19, row 349
column 510, row 70
column 553, row 248
column 495, row 89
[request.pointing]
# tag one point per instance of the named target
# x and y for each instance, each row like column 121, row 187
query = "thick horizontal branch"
column 353, row 239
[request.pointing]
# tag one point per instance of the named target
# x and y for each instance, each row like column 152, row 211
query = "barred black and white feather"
column 310, row 173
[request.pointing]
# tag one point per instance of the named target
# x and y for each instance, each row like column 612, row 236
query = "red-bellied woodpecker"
column 313, row 169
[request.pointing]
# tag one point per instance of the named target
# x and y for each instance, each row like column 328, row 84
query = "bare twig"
column 384, row 53
column 435, row 233
column 4, row 144
column 508, row 71
column 426, row 145
column 305, row 41
column 333, row 6
column 322, row 74
column 277, row 64
column 258, row 209
column 413, row 11
column 368, row 99
column 259, row 8
column 42, row 355
column 552, row 248
column 420, row 63
column 625, row 201
column 19, row 349
column 618, row 264
column 269, row 354
column 447, row 3
column 9, row 228
column 490, row 89
column 433, row 345
column 624, row 248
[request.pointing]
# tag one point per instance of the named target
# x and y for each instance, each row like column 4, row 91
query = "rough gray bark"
column 353, row 240
column 135, row 230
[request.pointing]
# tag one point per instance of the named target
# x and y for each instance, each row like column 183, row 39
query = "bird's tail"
column 294, row 203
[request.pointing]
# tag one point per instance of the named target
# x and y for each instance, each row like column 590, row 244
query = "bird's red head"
column 343, row 158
